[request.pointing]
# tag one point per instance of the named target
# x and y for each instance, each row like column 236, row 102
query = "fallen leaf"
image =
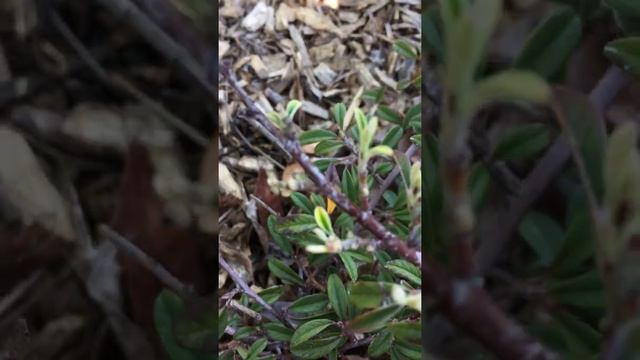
column 315, row 20
column 228, row 184
column 263, row 192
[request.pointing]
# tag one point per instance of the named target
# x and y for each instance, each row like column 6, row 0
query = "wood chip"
column 258, row 17
column 315, row 110
column 324, row 74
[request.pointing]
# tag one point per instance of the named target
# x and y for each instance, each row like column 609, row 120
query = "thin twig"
column 159, row 271
column 121, row 84
column 252, row 294
column 162, row 42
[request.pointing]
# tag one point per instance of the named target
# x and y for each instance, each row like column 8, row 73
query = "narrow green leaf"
column 551, row 43
column 338, row 297
column 626, row 53
column 315, row 349
column 326, row 147
column 509, row 85
column 316, row 135
column 374, row 320
column 367, row 294
column 405, row 270
column 283, row 272
column 271, row 294
column 380, row 344
column 543, row 234
column 393, row 136
column 406, row 330
column 388, row 114
column 350, row 265
column 302, row 202
column 308, row 330
column 292, row 108
column 256, row 348
column 309, row 303
column 323, row 220
column 278, row 332
column 278, row 238
column 523, row 142
column 339, row 112
column 405, row 49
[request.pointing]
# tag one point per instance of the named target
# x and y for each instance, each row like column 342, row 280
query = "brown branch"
column 247, row 290
column 162, row 274
column 497, row 228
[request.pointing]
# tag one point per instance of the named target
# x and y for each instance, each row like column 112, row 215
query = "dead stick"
column 252, row 294
column 159, row 271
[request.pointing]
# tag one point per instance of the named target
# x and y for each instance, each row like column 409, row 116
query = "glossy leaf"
column 308, row 330
column 405, row 269
column 388, row 114
column 326, row 147
column 309, row 303
column 380, row 344
column 277, row 331
column 374, row 319
column 338, row 297
column 316, row 135
column 302, row 202
column 551, row 43
column 283, row 272
column 316, row 348
column 256, row 348
column 366, row 294
column 349, row 265
column 406, row 330
column 278, row 238
column 339, row 112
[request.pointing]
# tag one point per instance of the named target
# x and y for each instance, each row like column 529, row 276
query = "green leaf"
column 309, row 303
column 405, row 270
column 278, row 238
column 297, row 224
column 292, row 108
column 406, row 330
column 393, row 136
column 316, row 135
column 551, row 43
column 271, row 294
column 244, row 332
column 626, row 53
column 374, row 320
column 366, row 294
column 413, row 117
column 323, row 220
column 543, row 234
column 388, row 114
column 308, row 330
column 167, row 307
column 408, row 350
column 256, row 349
column 508, row 85
column 432, row 32
column 374, row 95
column 581, row 123
column 338, row 297
column 578, row 244
column 339, row 112
column 405, row 49
column 277, row 331
column 302, row 202
column 479, row 181
column 223, row 321
column 326, row 147
column 523, row 142
column 350, row 265
column 380, row 150
column 283, row 272
column 315, row 349
column 381, row 344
